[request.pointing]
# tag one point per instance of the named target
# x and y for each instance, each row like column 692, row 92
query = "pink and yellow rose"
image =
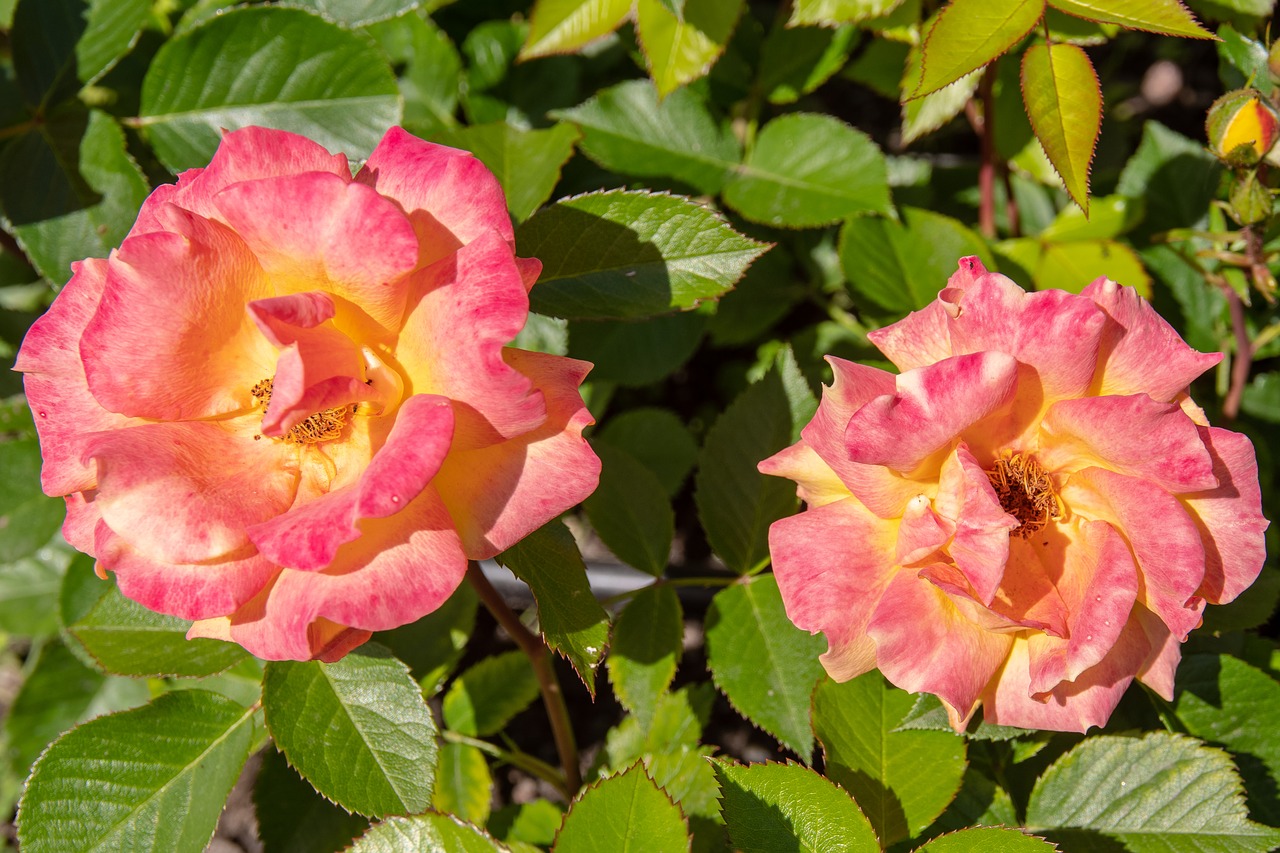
column 285, row 407
column 1029, row 516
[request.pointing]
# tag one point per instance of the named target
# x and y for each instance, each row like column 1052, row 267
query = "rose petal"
column 453, row 339
column 317, row 231
column 1140, row 352
column 170, row 339
column 308, row 536
column 816, row 483
column 832, row 568
column 1132, row 435
column 980, row 547
column 501, row 493
column 930, row 408
column 185, row 492
column 921, row 533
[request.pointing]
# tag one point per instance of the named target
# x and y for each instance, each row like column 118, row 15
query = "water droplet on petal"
column 395, row 499
column 1090, row 637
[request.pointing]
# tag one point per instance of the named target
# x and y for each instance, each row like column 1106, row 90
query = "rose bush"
column 285, row 407
column 1027, row 517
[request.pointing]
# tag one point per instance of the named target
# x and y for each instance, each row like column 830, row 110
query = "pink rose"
column 1027, row 517
column 285, row 407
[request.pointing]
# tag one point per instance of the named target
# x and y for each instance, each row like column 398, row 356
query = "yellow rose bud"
column 1242, row 128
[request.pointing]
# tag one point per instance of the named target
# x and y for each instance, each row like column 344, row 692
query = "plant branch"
column 1244, row 355
column 986, row 130
column 540, row 657
column 523, row 760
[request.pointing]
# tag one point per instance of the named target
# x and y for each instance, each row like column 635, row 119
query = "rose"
column 1029, row 516
column 285, row 408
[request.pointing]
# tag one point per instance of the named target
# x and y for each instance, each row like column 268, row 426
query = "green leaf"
column 625, row 255
column 901, row 265
column 128, row 639
column 1064, row 102
column 1251, row 609
column 484, row 698
column 646, row 649
column 159, row 776
column 58, row 692
column 765, row 666
column 1224, row 700
column 1109, row 216
column 70, row 190
column 766, row 294
column 573, row 623
column 432, row 646
column 929, row 714
column 526, row 162
column 429, row 71
column 626, row 129
column 358, row 730
column 636, row 353
column 1262, row 397
column 1157, row 793
column 1074, row 265
column 902, row 779
column 626, row 813
column 1243, row 61
column 970, row 33
column 425, row 833
column 736, row 503
column 922, row 116
column 675, row 723
column 830, row 13
column 795, row 61
column 28, row 519
column 1158, row 16
column 293, row 816
column 563, row 26
column 464, row 786
column 29, row 590
column 773, row 807
column 680, row 49
column 281, row 68
column 987, row 839
column 535, row 822
column 59, row 45
column 809, row 170
column 1175, row 176
column 657, row 439
column 358, row 13
column 631, row 512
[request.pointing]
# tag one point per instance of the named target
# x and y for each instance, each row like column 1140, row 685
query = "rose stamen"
column 1026, row 492
column 322, row 426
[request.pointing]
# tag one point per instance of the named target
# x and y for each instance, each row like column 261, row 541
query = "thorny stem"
column 540, row 657
column 984, row 125
column 528, row 763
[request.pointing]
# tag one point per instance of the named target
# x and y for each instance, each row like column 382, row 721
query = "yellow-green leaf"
column 969, row 34
column 833, row 13
column 1158, row 16
column 1064, row 102
column 1071, row 266
column 680, row 50
column 563, row 26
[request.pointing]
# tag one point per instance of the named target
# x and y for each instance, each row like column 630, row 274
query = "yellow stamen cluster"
column 322, row 426
column 1026, row 492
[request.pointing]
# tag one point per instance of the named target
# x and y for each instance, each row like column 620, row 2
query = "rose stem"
column 1244, row 356
column 540, row 657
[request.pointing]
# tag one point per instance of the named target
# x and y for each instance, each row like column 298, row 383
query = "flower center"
column 1025, row 492
column 322, row 426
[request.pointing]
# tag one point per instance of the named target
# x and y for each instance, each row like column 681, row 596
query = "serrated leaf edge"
column 1093, row 149
column 637, row 764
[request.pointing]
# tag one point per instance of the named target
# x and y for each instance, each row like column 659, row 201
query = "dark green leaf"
column 1262, row 397
column 637, row 353
column 358, row 730
column 1246, row 60
column 281, row 68
column 59, row 45
column 358, row 13
column 158, row 777
column 429, row 69
column 1174, row 175
column 29, row 590
column 28, row 519
column 626, row 255
column 764, row 665
column 773, row 807
column 656, row 438
column 808, row 170
column 526, row 162
column 572, row 621
column 433, row 645
column 766, row 294
column 425, row 833
column 795, row 61
column 293, row 817
column 631, row 512
column 1252, row 609
column 484, row 698
column 929, row 714
column 646, row 649
column 901, row 779
column 623, row 814
column 464, row 786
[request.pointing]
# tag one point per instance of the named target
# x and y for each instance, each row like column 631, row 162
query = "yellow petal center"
column 1026, row 492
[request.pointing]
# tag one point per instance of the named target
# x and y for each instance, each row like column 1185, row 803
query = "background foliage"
column 721, row 192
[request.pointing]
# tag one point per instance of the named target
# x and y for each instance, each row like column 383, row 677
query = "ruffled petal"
column 832, row 567
column 499, row 494
column 1098, row 583
column 453, row 339
column 1165, row 541
column 186, row 492
column 317, row 231
column 1229, row 517
column 308, row 536
column 816, row 483
column 1140, row 352
column 921, row 533
column 170, row 339
column 929, row 410
column 924, row 337
column 980, row 546
column 1157, row 672
column 925, row 644
column 1132, row 435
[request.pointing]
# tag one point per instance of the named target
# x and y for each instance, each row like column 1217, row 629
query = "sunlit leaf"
column 626, row 813
column 424, row 832
column 526, row 162
column 563, row 26
column 1064, row 103
column 680, row 49
column 970, row 33
column 464, row 786
column 484, row 698
column 830, row 13
column 646, row 649
column 1158, row 16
